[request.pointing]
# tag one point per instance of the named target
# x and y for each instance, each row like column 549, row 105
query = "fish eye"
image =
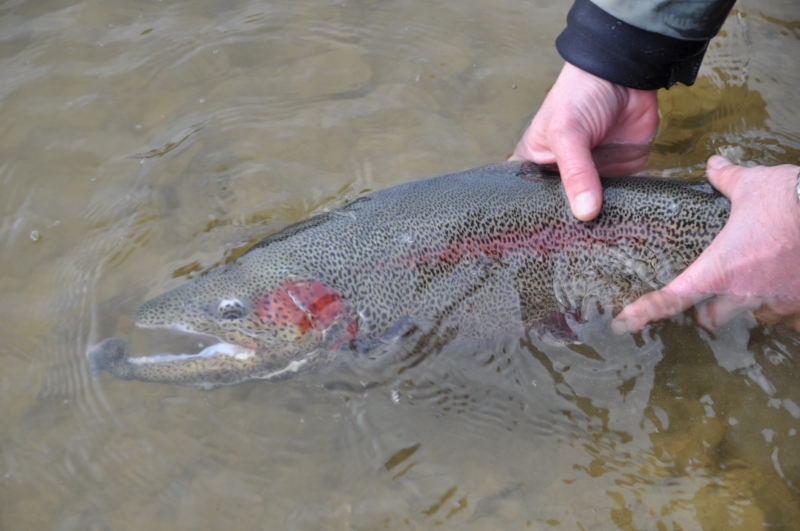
column 231, row 309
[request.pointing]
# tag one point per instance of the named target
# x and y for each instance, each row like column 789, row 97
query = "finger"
column 518, row 154
column 721, row 309
column 578, row 173
column 654, row 306
column 767, row 315
column 794, row 322
column 700, row 281
column 774, row 308
column 524, row 152
column 533, row 144
column 616, row 160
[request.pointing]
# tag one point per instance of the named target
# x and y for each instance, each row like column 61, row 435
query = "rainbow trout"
column 468, row 256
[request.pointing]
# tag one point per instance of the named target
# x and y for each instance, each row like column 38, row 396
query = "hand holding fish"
column 751, row 265
column 581, row 112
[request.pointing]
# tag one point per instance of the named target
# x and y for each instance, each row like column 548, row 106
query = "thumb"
column 720, row 170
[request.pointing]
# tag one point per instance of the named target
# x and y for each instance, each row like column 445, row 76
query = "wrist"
column 626, row 55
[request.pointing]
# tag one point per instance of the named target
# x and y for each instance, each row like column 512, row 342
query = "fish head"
column 279, row 308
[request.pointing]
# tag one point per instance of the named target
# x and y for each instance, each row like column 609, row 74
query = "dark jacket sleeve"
column 620, row 52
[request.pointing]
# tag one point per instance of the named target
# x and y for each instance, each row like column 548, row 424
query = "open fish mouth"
column 217, row 365
column 113, row 355
column 218, row 349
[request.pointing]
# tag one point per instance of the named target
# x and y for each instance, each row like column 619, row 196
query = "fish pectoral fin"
column 401, row 328
column 560, row 328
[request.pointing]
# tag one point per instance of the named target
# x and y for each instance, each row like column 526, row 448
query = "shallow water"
column 144, row 141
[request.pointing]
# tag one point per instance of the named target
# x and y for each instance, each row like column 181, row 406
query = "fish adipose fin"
column 402, row 328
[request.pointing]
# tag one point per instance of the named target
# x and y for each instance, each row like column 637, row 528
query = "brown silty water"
column 145, row 142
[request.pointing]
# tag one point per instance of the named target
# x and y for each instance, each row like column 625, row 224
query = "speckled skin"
column 473, row 255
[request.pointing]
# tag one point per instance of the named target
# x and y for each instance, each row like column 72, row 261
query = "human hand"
column 581, row 112
column 754, row 262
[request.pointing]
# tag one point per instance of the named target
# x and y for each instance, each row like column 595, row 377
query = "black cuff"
column 613, row 50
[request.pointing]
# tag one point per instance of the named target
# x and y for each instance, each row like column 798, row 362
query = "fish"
column 471, row 256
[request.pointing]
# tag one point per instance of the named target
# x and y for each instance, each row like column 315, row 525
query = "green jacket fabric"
column 641, row 44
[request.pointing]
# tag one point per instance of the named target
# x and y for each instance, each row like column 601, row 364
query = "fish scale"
column 469, row 256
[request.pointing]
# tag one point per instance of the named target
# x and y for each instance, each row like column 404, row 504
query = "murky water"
column 143, row 141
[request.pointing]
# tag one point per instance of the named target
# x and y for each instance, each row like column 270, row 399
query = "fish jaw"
column 218, row 365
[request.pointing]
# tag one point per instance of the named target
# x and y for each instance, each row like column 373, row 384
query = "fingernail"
column 622, row 327
column 716, row 162
column 585, row 204
column 619, row 327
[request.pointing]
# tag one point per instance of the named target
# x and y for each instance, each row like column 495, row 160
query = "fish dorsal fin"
column 305, row 225
column 530, row 171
